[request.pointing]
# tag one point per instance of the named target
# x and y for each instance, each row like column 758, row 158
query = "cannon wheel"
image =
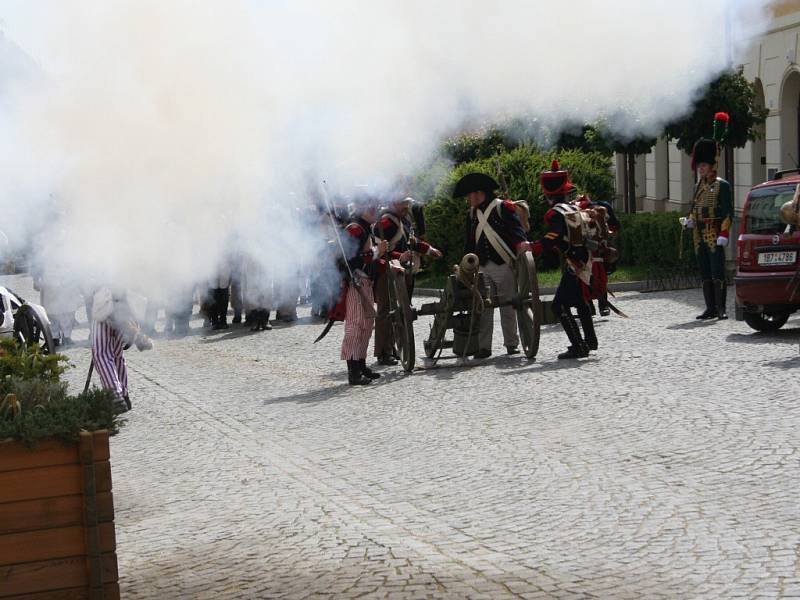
column 441, row 320
column 402, row 319
column 529, row 305
column 30, row 330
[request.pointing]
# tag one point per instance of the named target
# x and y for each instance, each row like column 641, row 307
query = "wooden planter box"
column 57, row 537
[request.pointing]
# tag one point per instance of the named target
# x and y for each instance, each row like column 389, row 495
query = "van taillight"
column 745, row 252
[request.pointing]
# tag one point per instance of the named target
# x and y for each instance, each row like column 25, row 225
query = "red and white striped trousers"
column 357, row 326
column 109, row 361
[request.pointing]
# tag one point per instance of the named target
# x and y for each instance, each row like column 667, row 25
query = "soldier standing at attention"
column 710, row 219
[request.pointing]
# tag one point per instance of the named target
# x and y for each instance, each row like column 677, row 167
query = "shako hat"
column 555, row 182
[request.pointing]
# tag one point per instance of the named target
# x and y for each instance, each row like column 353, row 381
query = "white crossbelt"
column 400, row 234
column 484, row 228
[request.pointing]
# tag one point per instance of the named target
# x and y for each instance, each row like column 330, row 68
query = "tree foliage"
column 730, row 93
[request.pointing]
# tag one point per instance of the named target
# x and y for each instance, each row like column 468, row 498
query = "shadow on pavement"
column 229, row 334
column 331, row 392
column 555, row 365
column 792, row 362
column 694, row 324
column 782, row 336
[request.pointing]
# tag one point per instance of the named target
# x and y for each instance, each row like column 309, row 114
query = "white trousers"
column 501, row 281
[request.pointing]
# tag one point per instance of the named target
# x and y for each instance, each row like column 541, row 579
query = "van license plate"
column 777, row 258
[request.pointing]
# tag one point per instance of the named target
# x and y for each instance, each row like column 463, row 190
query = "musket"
column 502, row 178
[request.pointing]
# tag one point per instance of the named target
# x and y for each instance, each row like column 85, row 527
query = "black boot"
column 602, row 305
column 254, row 317
column 265, row 326
column 369, row 373
column 577, row 348
column 588, row 328
column 720, row 289
column 354, row 375
column 387, row 360
column 708, row 295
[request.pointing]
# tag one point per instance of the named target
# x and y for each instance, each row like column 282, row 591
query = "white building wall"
column 771, row 59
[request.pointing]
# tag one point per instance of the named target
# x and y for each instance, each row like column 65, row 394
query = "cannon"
column 25, row 321
column 465, row 296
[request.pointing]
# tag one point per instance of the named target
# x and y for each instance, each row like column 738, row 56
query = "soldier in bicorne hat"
column 710, row 219
column 495, row 234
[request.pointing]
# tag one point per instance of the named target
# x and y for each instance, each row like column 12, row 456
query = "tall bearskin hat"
column 555, row 182
column 707, row 150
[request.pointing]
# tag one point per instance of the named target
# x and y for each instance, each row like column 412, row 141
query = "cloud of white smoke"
column 161, row 132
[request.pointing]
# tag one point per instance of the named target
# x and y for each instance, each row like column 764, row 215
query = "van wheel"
column 763, row 322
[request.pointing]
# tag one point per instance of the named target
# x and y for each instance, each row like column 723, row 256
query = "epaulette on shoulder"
column 510, row 206
column 549, row 214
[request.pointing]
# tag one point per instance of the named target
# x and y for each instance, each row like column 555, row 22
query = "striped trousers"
column 357, row 326
column 109, row 361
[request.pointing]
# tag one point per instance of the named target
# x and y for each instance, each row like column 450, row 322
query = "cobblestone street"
column 666, row 465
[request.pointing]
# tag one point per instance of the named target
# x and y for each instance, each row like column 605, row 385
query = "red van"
column 767, row 277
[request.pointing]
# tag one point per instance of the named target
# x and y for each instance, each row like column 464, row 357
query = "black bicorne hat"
column 474, row 182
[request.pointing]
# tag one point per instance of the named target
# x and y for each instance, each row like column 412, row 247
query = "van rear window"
column 763, row 210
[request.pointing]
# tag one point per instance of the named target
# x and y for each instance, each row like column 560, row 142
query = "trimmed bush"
column 445, row 217
column 653, row 240
column 34, row 403
column 21, row 362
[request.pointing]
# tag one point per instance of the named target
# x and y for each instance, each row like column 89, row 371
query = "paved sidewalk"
column 664, row 466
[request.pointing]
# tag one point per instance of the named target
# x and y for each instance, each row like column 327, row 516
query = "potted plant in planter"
column 56, row 508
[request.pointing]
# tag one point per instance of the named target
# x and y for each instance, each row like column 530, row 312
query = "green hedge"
column 445, row 217
column 653, row 240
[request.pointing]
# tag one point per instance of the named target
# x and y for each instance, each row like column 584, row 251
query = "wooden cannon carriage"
column 465, row 296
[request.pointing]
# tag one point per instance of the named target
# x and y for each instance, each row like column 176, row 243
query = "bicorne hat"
column 474, row 182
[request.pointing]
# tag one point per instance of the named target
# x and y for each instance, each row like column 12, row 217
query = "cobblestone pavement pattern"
column 666, row 466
